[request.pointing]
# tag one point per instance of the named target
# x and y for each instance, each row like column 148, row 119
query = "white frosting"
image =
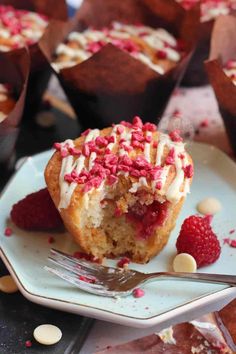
column 166, row 36
column 147, row 148
column 72, row 52
column 4, row 33
column 154, row 38
column 221, row 9
column 231, row 72
column 78, row 37
column 173, row 192
column 68, row 165
column 146, row 60
column 31, row 28
column 33, row 16
column 32, row 33
column 126, row 135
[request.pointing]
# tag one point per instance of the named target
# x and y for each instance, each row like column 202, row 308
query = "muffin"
column 156, row 48
column 14, row 72
column 119, row 190
column 19, row 28
column 210, row 10
column 141, row 57
column 23, row 24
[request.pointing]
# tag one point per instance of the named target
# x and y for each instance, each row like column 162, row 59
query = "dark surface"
column 18, row 316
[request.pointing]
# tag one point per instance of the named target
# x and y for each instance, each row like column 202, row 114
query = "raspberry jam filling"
column 147, row 217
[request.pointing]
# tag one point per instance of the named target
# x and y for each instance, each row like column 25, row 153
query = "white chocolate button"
column 47, row 334
column 209, row 206
column 7, row 284
column 184, row 262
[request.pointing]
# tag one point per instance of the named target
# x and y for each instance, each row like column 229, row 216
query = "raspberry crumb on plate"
column 138, row 292
column 123, row 262
column 8, row 231
column 28, row 344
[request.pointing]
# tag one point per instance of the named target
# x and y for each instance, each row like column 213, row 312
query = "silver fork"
column 112, row 282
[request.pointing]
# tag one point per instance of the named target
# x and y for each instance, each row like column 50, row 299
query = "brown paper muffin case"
column 14, row 70
column 223, row 48
column 111, row 85
column 213, row 333
column 40, row 70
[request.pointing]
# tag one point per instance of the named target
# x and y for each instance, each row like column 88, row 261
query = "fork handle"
column 196, row 277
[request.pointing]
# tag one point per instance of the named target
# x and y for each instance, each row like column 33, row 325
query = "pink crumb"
column 233, row 243
column 28, row 344
column 209, row 218
column 232, row 231
column 51, row 239
column 226, row 241
column 138, row 292
column 123, row 262
column 8, row 231
column 86, row 279
column 204, row 123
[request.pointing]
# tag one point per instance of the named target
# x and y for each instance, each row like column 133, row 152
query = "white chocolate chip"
column 209, row 206
column 47, row 334
column 184, row 262
column 7, row 284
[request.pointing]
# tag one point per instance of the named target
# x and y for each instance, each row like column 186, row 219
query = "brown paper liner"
column 187, row 337
column 217, row 335
column 112, row 85
column 14, row 69
column 40, row 70
column 195, row 74
column 223, row 48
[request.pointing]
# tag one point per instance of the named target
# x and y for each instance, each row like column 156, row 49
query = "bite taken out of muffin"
column 119, row 190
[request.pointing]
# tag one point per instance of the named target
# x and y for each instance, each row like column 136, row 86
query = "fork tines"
column 78, row 272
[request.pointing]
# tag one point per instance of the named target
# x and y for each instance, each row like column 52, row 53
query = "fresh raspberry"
column 197, row 239
column 36, row 212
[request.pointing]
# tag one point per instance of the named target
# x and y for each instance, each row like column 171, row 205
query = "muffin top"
column 156, row 48
column 210, row 9
column 19, row 28
column 7, row 101
column 230, row 70
column 133, row 153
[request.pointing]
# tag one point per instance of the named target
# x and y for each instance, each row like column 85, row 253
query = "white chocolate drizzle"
column 173, row 193
column 178, row 187
column 156, row 38
column 68, row 165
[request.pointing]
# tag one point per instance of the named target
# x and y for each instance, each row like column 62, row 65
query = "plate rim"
column 103, row 314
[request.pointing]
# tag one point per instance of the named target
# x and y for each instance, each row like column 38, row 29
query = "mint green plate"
column 25, row 253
